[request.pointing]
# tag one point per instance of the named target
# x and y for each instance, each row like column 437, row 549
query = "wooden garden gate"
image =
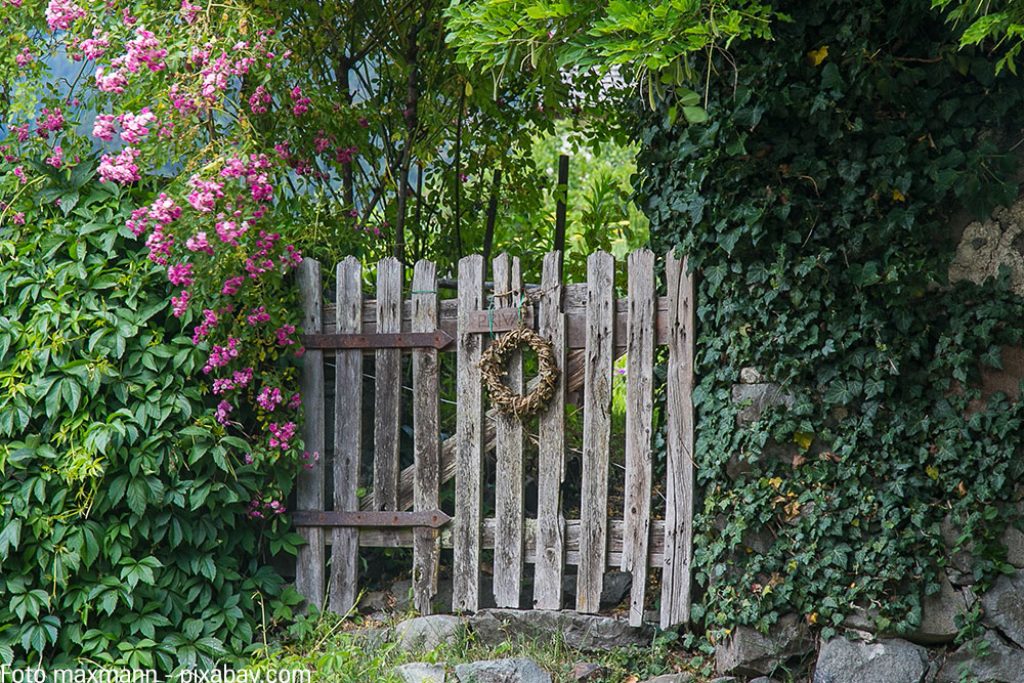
column 589, row 329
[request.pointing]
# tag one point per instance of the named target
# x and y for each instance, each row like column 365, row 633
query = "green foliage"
column 500, row 36
column 600, row 212
column 124, row 537
column 998, row 24
column 815, row 203
column 341, row 650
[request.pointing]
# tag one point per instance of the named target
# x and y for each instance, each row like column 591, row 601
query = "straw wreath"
column 492, row 370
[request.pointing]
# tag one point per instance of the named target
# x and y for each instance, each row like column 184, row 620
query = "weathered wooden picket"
column 589, row 329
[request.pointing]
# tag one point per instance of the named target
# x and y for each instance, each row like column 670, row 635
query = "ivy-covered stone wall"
column 846, row 448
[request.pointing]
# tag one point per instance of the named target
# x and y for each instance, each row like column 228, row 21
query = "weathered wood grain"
column 574, row 306
column 387, row 422
column 675, row 579
column 508, row 490
column 639, row 411
column 550, row 557
column 573, row 380
column 597, row 397
column 403, row 538
column 310, row 563
column 348, row 438
column 426, row 436
column 469, row 444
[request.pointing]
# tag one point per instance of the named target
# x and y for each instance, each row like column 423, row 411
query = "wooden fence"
column 589, row 329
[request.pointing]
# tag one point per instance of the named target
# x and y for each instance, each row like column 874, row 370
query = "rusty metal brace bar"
column 434, row 519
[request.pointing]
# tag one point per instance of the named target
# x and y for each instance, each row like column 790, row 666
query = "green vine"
column 816, row 204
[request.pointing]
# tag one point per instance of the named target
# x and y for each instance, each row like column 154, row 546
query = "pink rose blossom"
column 160, row 244
column 205, row 327
column 242, row 377
column 198, row 242
column 232, row 285
column 19, row 218
column 283, row 335
column 281, row 434
column 138, row 222
column 164, row 210
column 189, row 11
column 180, row 274
column 230, row 231
column 114, row 82
column 269, row 398
column 95, row 47
column 258, row 315
column 57, row 158
column 24, row 58
column 143, row 49
column 121, row 169
column 135, row 127
column 51, row 121
column 259, row 100
column 206, row 194
column 221, row 355
column 103, row 127
column 19, row 173
column 295, row 401
column 179, row 304
column 223, row 411
column 60, row 14
column 300, row 103
column 222, row 385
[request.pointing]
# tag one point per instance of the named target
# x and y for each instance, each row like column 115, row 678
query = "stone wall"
column 861, row 652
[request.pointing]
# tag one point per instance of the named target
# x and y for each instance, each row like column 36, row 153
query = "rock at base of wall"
column 427, row 633
column 1004, row 606
column 419, row 672
column 502, row 671
column 939, row 613
column 885, row 661
column 988, row 658
column 748, row 652
column 579, row 631
column 671, row 678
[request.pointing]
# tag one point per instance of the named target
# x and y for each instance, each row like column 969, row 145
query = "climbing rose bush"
column 174, row 92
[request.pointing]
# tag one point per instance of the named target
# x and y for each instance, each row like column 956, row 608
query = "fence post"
column 639, row 410
column 426, row 436
column 348, row 433
column 309, row 570
column 597, row 399
column 550, row 546
column 387, row 424
column 508, row 513
column 469, row 445
column 675, row 575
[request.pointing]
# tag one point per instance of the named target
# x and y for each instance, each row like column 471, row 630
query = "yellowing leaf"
column 898, row 196
column 812, row 618
column 803, row 439
column 932, row 471
column 816, row 57
column 775, row 482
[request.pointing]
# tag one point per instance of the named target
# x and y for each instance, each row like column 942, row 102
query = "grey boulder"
column 502, row 671
column 419, row 672
column 885, row 661
column 427, row 633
